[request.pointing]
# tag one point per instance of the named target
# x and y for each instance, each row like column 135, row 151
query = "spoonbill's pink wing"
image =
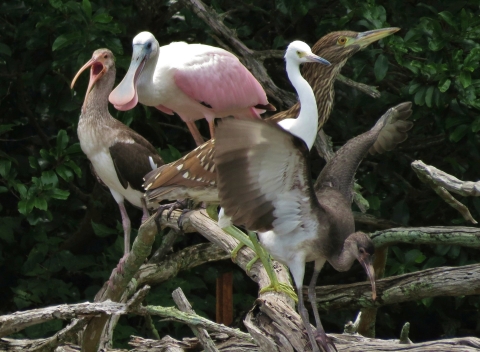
column 219, row 80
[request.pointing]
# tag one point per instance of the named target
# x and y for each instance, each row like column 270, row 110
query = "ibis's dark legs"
column 321, row 336
column 195, row 132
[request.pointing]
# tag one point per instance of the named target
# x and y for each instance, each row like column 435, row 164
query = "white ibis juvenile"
column 194, row 176
column 119, row 155
column 193, row 80
column 265, row 184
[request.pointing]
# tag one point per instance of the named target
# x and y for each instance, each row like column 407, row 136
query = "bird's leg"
column 320, row 334
column 306, row 322
column 267, row 263
column 146, row 214
column 126, row 233
column 179, row 204
column 312, row 294
column 251, row 242
column 211, row 124
column 195, row 132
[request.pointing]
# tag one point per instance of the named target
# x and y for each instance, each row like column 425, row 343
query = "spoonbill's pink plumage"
column 193, row 80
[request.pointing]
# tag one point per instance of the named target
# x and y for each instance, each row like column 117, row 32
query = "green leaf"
column 102, row 18
column 465, row 79
column 5, row 50
column 74, row 149
column 459, row 133
column 414, row 256
column 65, row 40
column 62, row 141
column 56, row 3
column 448, row 17
column 58, row 193
column 5, row 166
column 64, row 172
column 444, row 84
column 476, row 125
column 102, row 230
column 420, row 96
column 414, row 87
column 49, row 178
column 374, row 202
column 41, row 203
column 381, row 67
column 71, row 164
column 87, row 8
column 428, row 96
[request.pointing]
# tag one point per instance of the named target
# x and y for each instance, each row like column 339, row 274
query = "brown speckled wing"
column 196, row 169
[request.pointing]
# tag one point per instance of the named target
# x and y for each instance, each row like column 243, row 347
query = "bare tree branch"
column 443, row 281
column 202, row 334
column 441, row 183
column 446, row 235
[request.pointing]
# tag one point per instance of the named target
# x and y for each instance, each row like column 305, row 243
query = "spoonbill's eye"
column 149, row 45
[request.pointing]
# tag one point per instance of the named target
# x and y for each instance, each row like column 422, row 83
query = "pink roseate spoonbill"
column 193, row 80
column 265, row 184
column 120, row 156
column 194, row 176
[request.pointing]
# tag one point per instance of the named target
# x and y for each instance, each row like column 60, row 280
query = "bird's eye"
column 299, row 52
column 149, row 45
column 342, row 40
column 105, row 56
column 361, row 250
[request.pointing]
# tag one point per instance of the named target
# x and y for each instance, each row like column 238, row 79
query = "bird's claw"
column 181, row 218
column 179, row 204
column 323, row 341
column 280, row 287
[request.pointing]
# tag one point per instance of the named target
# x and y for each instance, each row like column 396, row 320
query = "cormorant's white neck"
column 306, row 124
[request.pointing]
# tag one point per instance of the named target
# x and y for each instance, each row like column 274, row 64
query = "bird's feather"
column 218, row 79
column 194, row 170
column 389, row 130
column 131, row 162
column 272, row 194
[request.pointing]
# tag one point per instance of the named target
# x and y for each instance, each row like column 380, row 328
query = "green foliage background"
column 60, row 234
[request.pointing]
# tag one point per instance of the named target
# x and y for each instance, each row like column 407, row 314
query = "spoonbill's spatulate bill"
column 265, row 185
column 193, row 80
column 120, row 156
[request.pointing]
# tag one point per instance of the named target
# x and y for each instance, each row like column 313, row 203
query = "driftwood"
column 442, row 183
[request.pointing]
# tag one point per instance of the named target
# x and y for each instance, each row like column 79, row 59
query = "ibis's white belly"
column 287, row 249
column 102, row 162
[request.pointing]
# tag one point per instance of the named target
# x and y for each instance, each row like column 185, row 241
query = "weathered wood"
column 443, row 281
column 202, row 334
column 446, row 235
column 185, row 259
column 117, row 284
column 13, row 323
column 441, row 183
